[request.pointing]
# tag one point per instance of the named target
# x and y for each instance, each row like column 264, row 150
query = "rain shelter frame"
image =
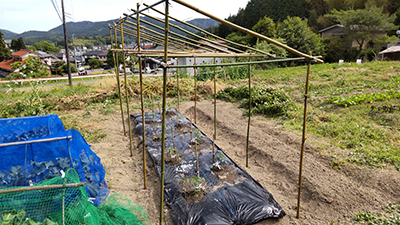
column 180, row 46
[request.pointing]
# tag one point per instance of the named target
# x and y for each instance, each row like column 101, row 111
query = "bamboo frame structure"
column 197, row 36
column 211, row 34
column 247, row 31
column 182, row 46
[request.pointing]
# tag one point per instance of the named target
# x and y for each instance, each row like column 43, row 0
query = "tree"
column 110, row 58
column 335, row 49
column 33, row 67
column 46, row 47
column 17, row 44
column 299, row 35
column 21, row 43
column 265, row 26
column 363, row 25
column 271, row 48
column 95, row 63
column 5, row 53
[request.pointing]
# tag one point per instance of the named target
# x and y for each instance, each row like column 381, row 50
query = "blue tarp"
column 31, row 163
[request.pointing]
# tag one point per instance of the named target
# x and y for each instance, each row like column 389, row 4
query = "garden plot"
column 200, row 191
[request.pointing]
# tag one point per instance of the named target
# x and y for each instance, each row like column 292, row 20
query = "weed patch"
column 267, row 101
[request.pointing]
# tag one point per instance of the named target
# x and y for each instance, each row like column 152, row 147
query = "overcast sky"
column 23, row 15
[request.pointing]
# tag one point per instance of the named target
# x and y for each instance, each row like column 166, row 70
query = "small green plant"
column 14, row 217
column 221, row 157
column 173, row 156
column 364, row 98
column 195, row 180
column 172, row 151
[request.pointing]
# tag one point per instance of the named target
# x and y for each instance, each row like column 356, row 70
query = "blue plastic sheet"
column 21, row 165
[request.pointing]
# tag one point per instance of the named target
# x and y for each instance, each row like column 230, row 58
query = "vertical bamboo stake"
column 177, row 83
column 248, row 125
column 215, row 114
column 141, row 100
column 126, row 90
column 303, row 140
column 195, row 91
column 116, row 66
column 164, row 100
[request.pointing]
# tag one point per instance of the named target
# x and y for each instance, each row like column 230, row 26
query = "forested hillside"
column 312, row 10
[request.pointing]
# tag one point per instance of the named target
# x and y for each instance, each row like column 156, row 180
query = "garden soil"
column 328, row 194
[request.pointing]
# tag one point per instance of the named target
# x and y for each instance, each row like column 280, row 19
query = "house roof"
column 6, row 65
column 92, row 53
column 21, row 52
column 331, row 27
column 41, row 53
column 104, row 53
column 392, row 49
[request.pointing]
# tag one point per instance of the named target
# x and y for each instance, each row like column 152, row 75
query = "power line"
column 57, row 10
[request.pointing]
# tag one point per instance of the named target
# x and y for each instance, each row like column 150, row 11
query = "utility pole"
column 66, row 45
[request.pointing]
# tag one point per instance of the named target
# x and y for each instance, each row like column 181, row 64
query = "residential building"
column 20, row 56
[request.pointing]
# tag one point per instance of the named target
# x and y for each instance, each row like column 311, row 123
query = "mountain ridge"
column 91, row 29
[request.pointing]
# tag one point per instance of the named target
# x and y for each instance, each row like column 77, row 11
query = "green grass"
column 391, row 215
column 346, row 108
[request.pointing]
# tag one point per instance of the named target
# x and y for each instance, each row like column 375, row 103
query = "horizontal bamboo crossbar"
column 238, row 63
column 40, row 188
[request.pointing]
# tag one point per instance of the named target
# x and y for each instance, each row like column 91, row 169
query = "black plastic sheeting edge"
column 240, row 200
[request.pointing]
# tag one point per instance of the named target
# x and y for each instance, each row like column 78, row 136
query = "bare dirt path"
column 328, row 195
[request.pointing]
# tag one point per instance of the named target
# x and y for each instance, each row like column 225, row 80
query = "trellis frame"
column 196, row 54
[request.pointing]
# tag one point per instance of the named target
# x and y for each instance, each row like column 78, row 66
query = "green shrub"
column 267, row 101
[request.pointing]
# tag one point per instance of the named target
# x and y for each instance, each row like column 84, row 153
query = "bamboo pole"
column 164, row 102
column 40, row 188
column 177, row 84
column 142, row 104
column 195, row 91
column 303, row 140
column 250, row 32
column 197, row 36
column 117, row 77
column 211, row 34
column 215, row 114
column 248, row 125
column 126, row 92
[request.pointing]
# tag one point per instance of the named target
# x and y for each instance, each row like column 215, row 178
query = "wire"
column 72, row 9
column 57, row 11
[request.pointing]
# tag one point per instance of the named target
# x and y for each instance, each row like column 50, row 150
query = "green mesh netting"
column 46, row 206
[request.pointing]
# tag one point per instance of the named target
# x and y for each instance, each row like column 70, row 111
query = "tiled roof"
column 6, row 65
column 104, row 53
column 21, row 52
column 92, row 53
